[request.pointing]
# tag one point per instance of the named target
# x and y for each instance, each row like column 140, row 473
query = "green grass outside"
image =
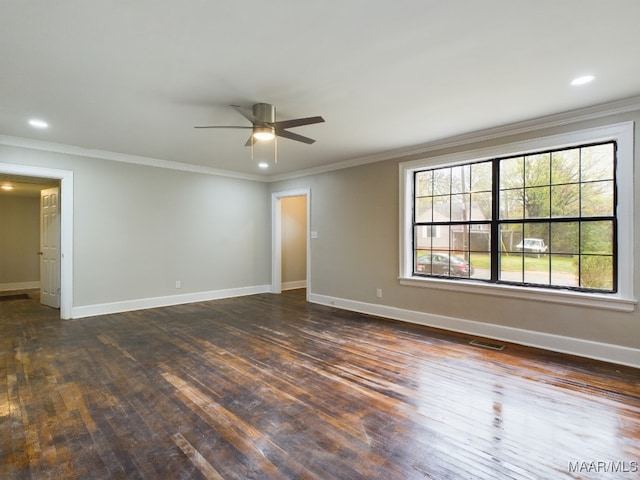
column 513, row 262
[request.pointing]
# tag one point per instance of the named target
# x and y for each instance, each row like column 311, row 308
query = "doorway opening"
column 290, row 227
column 65, row 179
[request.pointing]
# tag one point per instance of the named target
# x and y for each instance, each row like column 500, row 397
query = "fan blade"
column 219, row 126
column 294, row 136
column 297, row 122
column 250, row 141
column 248, row 115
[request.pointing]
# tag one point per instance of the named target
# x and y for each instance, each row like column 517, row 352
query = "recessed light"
column 7, row 187
column 35, row 123
column 582, row 80
column 263, row 165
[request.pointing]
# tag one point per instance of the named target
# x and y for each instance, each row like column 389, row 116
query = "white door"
column 50, row 247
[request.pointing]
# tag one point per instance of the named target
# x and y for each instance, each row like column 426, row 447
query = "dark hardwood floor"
column 271, row 387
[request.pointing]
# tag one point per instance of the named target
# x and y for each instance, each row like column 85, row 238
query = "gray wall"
column 356, row 214
column 139, row 229
column 19, row 239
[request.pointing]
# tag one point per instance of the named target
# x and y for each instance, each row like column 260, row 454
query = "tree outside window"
column 542, row 219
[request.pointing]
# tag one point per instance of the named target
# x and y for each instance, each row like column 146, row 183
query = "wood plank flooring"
column 270, row 387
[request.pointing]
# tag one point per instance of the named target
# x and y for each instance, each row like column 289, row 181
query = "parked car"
column 443, row 264
column 532, row 245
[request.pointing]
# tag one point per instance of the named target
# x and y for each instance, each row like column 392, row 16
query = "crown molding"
column 121, row 157
column 626, row 105
column 617, row 107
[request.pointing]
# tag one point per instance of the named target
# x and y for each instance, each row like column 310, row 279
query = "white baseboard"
column 557, row 343
column 294, row 285
column 144, row 303
column 5, row 287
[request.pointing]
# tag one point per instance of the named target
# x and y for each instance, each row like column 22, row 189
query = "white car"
column 532, row 245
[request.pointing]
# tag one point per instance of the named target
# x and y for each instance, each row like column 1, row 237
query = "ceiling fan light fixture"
column 263, row 133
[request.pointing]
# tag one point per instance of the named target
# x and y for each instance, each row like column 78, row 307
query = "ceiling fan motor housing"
column 264, row 112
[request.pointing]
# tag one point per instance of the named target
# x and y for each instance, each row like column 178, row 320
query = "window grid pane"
column 556, row 225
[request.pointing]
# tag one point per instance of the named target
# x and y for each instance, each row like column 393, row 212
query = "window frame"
column 623, row 299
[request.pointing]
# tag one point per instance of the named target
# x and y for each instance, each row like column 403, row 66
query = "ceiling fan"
column 265, row 127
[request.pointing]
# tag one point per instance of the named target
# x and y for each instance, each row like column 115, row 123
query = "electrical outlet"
column 379, row 292
column 178, row 284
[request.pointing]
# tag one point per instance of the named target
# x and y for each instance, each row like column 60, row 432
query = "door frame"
column 276, row 237
column 66, row 225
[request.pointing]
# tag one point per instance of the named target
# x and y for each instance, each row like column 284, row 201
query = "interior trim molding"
column 66, row 225
column 616, row 107
column 276, row 236
column 570, row 117
column 574, row 346
column 166, row 301
column 6, row 287
column 294, row 285
column 533, row 294
column 121, row 157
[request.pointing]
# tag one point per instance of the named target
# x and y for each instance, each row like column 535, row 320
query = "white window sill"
column 565, row 297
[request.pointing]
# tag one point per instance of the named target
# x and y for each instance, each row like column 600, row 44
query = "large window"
column 542, row 218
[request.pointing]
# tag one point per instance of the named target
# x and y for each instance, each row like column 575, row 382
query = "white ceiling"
column 135, row 77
